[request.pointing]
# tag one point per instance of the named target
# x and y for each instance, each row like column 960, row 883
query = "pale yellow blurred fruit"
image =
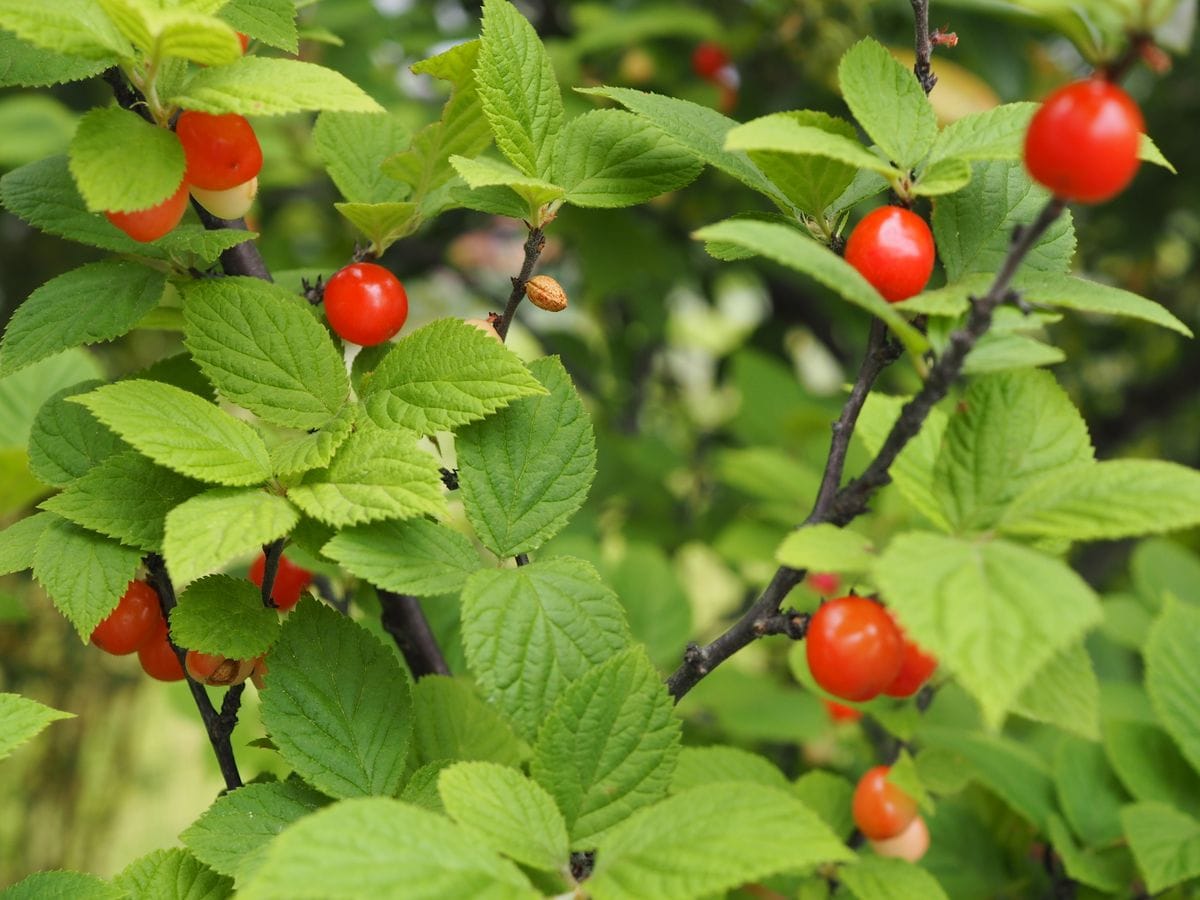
column 232, row 203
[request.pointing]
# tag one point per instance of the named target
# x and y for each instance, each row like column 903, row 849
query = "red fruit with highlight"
column 708, row 59
column 289, row 584
column 132, row 623
column 853, row 647
column 824, row 583
column 147, row 225
column 365, row 304
column 881, row 809
column 893, row 249
column 840, row 713
column 914, row 670
column 158, row 658
column 222, row 151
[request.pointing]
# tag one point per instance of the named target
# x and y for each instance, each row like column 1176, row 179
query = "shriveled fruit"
column 217, row 670
column 546, row 293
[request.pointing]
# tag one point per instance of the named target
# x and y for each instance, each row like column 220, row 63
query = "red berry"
column 290, row 580
column 854, row 649
column 147, row 225
column 158, row 658
column 1083, row 142
column 881, row 809
column 244, row 40
column 365, row 303
column 840, row 713
column 708, row 59
column 893, row 249
column 132, row 623
column 914, row 670
column 824, row 583
column 910, row 844
column 222, row 151
column 217, row 670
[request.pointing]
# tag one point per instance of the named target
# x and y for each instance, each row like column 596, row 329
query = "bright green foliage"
column 75, row 27
column 337, row 704
column 698, row 766
column 175, row 33
column 215, row 527
column 888, row 102
column 174, row 873
column 997, row 133
column 22, row 719
column 250, row 87
column 1065, row 693
column 314, row 449
column 655, row 604
column 826, row 548
column 66, row 441
column 1165, row 843
column 19, row 541
column 1149, row 764
column 878, row 878
column 353, row 146
column 63, row 886
column 451, row 722
column 224, row 615
column 270, row 21
column 21, row 64
column 106, row 140
column 414, row 556
column 912, row 472
column 830, row 797
column 1172, row 679
column 1088, row 792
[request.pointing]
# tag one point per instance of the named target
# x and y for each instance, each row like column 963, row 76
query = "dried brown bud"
column 546, row 293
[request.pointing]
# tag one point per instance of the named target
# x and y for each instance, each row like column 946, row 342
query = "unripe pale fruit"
column 546, row 293
column 910, row 844
column 486, row 327
column 231, row 203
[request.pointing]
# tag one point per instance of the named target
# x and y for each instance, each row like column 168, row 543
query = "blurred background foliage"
column 711, row 385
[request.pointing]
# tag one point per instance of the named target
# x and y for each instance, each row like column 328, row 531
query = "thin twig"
column 240, row 259
column 271, row 554
column 405, row 621
column 533, row 249
column 923, row 68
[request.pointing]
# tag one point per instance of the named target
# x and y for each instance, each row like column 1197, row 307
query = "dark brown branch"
column 271, row 554
column 240, row 259
column 923, row 68
column 405, row 621
column 533, row 249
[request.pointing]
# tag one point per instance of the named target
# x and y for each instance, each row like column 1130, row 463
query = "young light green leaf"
column 382, row 848
column 216, row 527
column 451, row 722
column 1067, row 292
column 609, row 158
column 789, row 247
column 179, row 430
column 84, row 574
column 484, row 172
column 608, row 746
column 314, row 449
column 250, row 87
column 830, row 797
column 1148, row 152
column 60, row 885
column 531, row 631
column 1088, row 791
column 353, row 146
column 707, row 840
column 1064, row 693
column 126, row 497
column 1012, row 430
column 795, row 134
column 879, row 878
column 172, row 873
column 888, row 102
column 75, row 27
column 912, row 472
column 415, row 556
column 526, row 470
column 826, row 548
column 22, row 719
column 997, row 133
column 980, row 609
column 23, row 393
column 942, row 177
column 1171, row 676
column 97, row 302
column 700, row 766
column 445, row 375
column 224, row 615
column 655, row 602
column 382, row 223
column 1106, row 501
column 262, row 349
column 337, row 705
column 18, row 542
column 506, row 812
column 1160, row 567
column 1149, row 764
column 23, row 65
column 270, row 21
column 1106, row 869
column 1165, row 843
column 517, row 89
column 107, row 138
column 998, row 352
column 182, row 34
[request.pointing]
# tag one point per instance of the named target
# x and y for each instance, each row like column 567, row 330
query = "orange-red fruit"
column 244, row 40
column 222, row 151
column 840, row 713
column 881, row 809
column 365, row 303
column 910, row 844
column 157, row 657
column 289, row 584
column 147, row 225
column 1082, row 143
column 217, row 670
column 914, row 670
column 824, row 583
column 893, row 249
column 132, row 623
column 853, row 647
column 708, row 59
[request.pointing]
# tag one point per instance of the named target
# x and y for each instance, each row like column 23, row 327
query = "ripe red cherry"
column 132, row 623
column 840, row 713
column 147, row 225
column 708, row 59
column 290, row 580
column 222, row 151
column 893, row 249
column 914, row 670
column 854, row 649
column 881, row 810
column 910, row 844
column 1083, row 142
column 158, row 658
column 365, row 303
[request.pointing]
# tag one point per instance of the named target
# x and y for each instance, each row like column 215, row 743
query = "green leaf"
column 66, row 441
column 609, row 158
column 943, row 177
column 708, row 840
column 445, row 375
column 801, row 134
column 517, row 89
column 84, row 574
column 790, row 248
column 74, row 27
column 63, row 886
column 658, row 610
column 700, row 766
column 1171, row 676
column 250, row 87
column 126, row 497
column 1150, row 765
column 826, row 548
column 1165, row 843
column 22, row 719
column 353, row 147
column 997, row 133
column 608, row 746
column 94, row 303
column 878, row 878
column 262, row 349
column 381, row 848
column 484, row 172
column 830, row 797
column 1107, row 500
column 173, row 873
column 1088, row 791
column 224, row 615
column 1106, row 869
column 526, row 470
column 270, row 21
column 179, row 430
column 337, row 705
column 980, row 609
column 529, row 632
column 1148, row 152
column 1004, row 352
column 1065, row 693
column 315, row 449
column 973, row 227
column 23, row 65
column 232, row 835
column 415, row 556
column 107, row 138
column 23, row 393
column 1068, row 292
column 1011, row 431
column 451, row 722
column 18, row 542
column 421, row 789
column 506, row 812
column 375, row 474
column 888, row 102
column 912, row 472
column 382, row 223
column 1159, row 567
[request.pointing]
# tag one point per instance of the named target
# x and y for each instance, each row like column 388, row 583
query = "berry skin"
column 132, row 623
column 147, row 225
column 158, row 658
column 244, row 40
column 231, row 203
column 854, row 649
column 893, row 249
column 840, row 713
column 289, row 584
column 824, row 583
column 1082, row 143
column 910, row 844
column 222, row 151
column 217, row 670
column 914, row 670
column 365, row 303
column 881, row 810
column 708, row 59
